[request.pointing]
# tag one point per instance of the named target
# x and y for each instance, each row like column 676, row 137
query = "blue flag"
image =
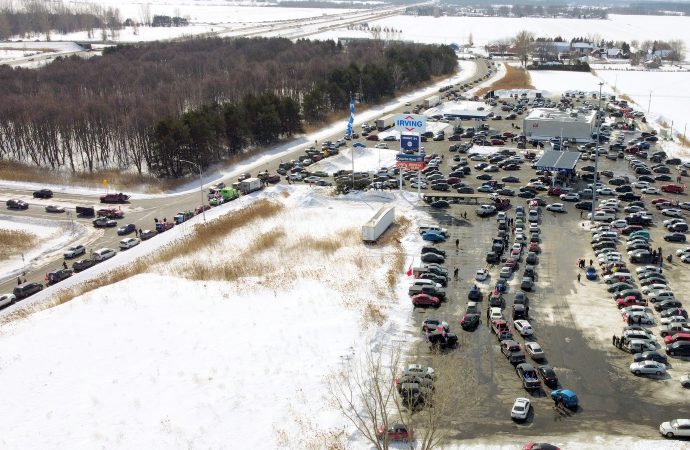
column 351, row 121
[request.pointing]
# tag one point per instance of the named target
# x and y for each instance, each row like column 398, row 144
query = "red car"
column 508, row 134
column 499, row 326
column 657, row 201
column 373, row 137
column 512, row 263
column 425, row 300
column 534, row 247
column 673, row 188
column 497, row 142
column 539, row 446
column 396, row 432
column 555, row 190
column 630, row 300
column 677, row 337
column 631, row 229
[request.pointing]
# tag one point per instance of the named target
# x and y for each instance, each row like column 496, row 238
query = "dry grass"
column 626, row 98
column 394, row 237
column 664, row 124
column 515, row 78
column 15, row 171
column 13, row 242
column 685, row 142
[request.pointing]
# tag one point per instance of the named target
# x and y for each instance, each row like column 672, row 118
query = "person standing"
column 578, row 277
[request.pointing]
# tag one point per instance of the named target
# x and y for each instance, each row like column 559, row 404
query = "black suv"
column 27, row 289
column 43, row 193
column 58, row 275
column 16, row 204
column 83, row 264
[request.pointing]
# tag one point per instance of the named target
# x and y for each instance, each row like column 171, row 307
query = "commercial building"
column 543, row 124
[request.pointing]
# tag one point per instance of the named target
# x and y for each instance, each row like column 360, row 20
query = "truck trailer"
column 378, row 224
column 432, row 101
column 385, row 122
column 250, row 185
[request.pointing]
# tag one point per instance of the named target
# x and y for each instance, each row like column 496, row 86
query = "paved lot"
column 562, row 312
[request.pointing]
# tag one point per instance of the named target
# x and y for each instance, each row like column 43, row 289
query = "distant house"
column 663, row 54
column 614, row 53
column 583, row 48
column 654, row 62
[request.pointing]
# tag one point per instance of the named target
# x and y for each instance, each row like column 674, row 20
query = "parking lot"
column 573, row 321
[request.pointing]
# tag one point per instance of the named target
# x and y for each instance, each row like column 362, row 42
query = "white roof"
column 556, row 115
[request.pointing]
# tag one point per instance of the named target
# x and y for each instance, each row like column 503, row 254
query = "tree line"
column 36, row 17
column 203, row 99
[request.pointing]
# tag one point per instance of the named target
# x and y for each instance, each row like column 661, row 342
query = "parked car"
column 55, row 209
column 128, row 243
column 127, row 229
column 74, row 251
column 43, row 193
column 520, row 409
column 647, row 367
column 675, row 427
column 25, row 290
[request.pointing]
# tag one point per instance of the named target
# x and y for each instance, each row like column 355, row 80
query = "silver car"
column 7, row 300
column 648, row 368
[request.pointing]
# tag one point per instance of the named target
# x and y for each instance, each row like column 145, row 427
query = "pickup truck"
column 528, row 375
column 673, row 188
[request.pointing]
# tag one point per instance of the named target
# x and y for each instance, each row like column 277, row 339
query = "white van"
column 103, row 253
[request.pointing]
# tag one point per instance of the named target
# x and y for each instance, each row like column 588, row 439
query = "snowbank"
column 366, row 159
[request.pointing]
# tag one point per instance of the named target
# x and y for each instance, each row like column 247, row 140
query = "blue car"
column 433, row 236
column 474, row 294
column 566, row 397
column 591, row 273
column 501, row 285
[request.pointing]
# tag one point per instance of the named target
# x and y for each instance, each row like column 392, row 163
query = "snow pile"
column 366, row 159
column 52, row 237
column 160, row 361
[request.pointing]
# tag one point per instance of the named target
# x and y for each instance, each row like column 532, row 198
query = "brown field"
column 13, row 242
column 515, row 78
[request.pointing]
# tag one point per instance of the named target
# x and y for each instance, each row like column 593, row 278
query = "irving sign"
column 410, row 123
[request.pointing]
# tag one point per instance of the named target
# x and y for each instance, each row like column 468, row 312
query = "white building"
column 545, row 123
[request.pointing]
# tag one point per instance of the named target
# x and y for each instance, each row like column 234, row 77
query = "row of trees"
column 129, row 107
column 37, row 17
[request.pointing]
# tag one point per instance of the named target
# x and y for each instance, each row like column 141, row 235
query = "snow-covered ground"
column 366, row 159
column 556, row 82
column 448, row 30
column 175, row 363
column 52, row 237
column 131, row 34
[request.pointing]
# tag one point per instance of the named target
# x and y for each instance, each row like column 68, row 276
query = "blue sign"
column 409, row 142
column 402, row 157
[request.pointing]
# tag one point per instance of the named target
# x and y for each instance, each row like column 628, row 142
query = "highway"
column 141, row 212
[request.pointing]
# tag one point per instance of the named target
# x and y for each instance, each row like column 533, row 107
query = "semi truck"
column 378, row 224
column 250, row 185
column 432, row 101
column 225, row 195
column 385, row 122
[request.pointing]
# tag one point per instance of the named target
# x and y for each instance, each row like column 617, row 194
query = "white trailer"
column 432, row 101
column 250, row 185
column 378, row 224
column 385, row 122
column 543, row 124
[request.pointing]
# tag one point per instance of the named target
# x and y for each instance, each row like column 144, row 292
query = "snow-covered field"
column 52, row 238
column 448, row 30
column 556, row 82
column 161, row 361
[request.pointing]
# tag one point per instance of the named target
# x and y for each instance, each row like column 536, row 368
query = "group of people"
column 618, row 341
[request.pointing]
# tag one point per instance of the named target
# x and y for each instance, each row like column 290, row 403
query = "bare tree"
column 523, row 42
column 145, row 13
column 677, row 50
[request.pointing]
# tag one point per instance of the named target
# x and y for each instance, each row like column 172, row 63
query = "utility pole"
column 596, row 153
column 649, row 104
column 201, row 186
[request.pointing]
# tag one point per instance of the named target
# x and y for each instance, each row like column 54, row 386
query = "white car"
column 74, row 251
column 651, row 190
column 570, row 197
column 556, row 207
column 684, row 205
column 675, row 427
column 683, row 251
column 618, row 276
column 606, row 191
column 671, row 212
column 495, row 314
column 653, row 269
column 618, row 224
column 601, row 216
column 505, row 272
column 648, row 368
column 646, row 290
column 673, row 319
column 610, row 257
column 481, row 274
column 7, row 300
column 418, row 369
column 534, row 350
column 642, row 317
column 129, row 243
column 382, row 145
column 640, row 184
column 520, row 409
column 523, row 327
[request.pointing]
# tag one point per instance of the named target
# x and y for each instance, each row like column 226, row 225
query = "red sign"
column 410, row 165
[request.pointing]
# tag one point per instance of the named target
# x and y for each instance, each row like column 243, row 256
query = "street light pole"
column 201, row 185
column 596, row 153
